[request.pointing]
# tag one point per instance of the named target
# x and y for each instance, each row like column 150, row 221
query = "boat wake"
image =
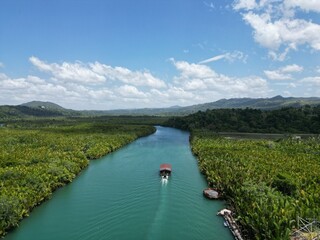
column 164, row 181
column 155, row 230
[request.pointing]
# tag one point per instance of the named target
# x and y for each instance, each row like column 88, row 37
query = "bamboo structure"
column 231, row 223
column 308, row 229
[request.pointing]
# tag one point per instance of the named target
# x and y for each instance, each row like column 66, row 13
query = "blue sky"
column 110, row 54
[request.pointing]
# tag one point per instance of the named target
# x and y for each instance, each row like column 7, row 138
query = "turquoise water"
column 120, row 196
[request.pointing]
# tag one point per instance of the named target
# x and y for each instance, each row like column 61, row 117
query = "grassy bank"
column 267, row 183
column 37, row 158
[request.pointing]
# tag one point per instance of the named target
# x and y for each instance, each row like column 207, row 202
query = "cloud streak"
column 236, row 55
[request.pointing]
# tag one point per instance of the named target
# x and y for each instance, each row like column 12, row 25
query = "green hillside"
column 43, row 105
column 34, row 109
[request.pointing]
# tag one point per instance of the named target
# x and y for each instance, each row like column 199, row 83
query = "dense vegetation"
column 37, row 157
column 267, row 183
column 285, row 120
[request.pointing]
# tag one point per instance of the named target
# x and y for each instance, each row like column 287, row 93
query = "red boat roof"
column 165, row 166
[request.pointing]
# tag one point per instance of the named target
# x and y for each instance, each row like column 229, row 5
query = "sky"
column 120, row 54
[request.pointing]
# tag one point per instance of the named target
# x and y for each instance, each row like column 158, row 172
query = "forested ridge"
column 286, row 120
column 38, row 157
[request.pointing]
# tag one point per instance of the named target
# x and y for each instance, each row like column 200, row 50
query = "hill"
column 276, row 102
column 35, row 109
column 49, row 109
column 43, row 105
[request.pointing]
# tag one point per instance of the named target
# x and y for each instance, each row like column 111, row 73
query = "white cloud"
column 277, row 75
column 3, row 76
column 244, row 4
column 84, row 86
column 283, row 31
column 35, row 80
column 292, row 68
column 192, row 70
column 306, row 5
column 195, row 84
column 8, row 84
column 292, row 85
column 265, row 33
column 1, row 65
column 125, row 75
column 275, row 26
column 298, row 32
column 96, row 73
column 127, row 91
column 281, row 56
column 314, row 81
column 179, row 93
column 236, row 55
column 33, row 88
column 76, row 72
column 200, row 79
column 159, row 95
column 283, row 73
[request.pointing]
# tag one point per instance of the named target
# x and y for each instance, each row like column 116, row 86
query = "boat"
column 165, row 170
column 210, row 193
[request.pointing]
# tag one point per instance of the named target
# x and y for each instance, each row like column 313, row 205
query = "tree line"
column 286, row 120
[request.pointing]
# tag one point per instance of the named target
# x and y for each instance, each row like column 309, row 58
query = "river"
column 120, row 196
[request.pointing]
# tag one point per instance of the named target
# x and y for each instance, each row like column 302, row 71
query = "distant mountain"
column 35, row 109
column 43, row 105
column 171, row 111
column 175, row 106
column 257, row 103
column 49, row 109
column 55, row 109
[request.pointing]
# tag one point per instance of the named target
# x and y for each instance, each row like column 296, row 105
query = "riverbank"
column 262, row 180
column 35, row 161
